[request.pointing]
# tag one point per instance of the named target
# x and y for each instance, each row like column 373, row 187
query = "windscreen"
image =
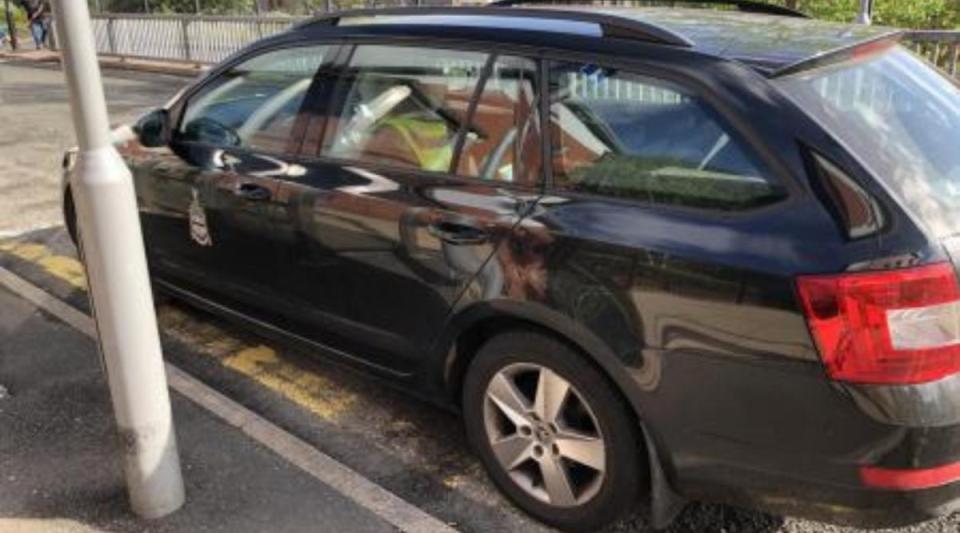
column 901, row 118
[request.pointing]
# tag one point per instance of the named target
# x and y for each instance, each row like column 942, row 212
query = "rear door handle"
column 252, row 191
column 458, row 233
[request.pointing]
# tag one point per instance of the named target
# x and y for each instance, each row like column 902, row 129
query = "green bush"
column 921, row 14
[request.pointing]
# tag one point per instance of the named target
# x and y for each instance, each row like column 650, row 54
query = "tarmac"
column 60, row 455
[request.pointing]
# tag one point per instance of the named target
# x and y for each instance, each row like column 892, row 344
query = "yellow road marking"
column 61, row 267
column 454, row 481
column 307, row 389
column 315, row 393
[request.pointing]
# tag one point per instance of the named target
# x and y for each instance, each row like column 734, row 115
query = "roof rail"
column 610, row 25
column 748, row 6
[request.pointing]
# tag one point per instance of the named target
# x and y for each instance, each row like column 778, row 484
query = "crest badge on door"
column 199, row 231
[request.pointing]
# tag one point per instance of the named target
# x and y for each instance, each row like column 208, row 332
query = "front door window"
column 255, row 104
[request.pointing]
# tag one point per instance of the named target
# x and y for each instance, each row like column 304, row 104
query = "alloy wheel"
column 544, row 435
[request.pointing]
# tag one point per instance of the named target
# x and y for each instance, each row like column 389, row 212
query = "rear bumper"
column 780, row 437
column 822, row 501
column 891, row 509
column 817, row 496
column 848, row 506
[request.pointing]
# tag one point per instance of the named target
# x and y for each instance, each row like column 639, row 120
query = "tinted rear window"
column 627, row 136
column 901, row 117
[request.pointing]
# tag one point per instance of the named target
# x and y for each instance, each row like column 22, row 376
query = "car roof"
column 772, row 41
column 768, row 42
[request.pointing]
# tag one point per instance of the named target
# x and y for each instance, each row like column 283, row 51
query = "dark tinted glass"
column 503, row 141
column 254, row 104
column 626, row 136
column 404, row 106
column 901, row 117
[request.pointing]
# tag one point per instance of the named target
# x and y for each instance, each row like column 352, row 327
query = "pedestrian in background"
column 38, row 18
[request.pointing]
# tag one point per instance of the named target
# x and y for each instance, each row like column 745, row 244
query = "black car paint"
column 692, row 314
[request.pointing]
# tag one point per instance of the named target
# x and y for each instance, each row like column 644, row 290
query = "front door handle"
column 252, row 191
column 458, row 233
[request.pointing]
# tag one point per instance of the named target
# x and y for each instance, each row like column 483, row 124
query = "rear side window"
column 428, row 109
column 254, row 104
column 626, row 136
column 404, row 106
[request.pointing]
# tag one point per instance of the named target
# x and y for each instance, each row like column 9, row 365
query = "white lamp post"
column 119, row 284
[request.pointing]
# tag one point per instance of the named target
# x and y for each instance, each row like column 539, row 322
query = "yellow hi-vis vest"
column 429, row 140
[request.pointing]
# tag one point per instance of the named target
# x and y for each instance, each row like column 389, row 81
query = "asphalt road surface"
column 35, row 129
column 412, row 449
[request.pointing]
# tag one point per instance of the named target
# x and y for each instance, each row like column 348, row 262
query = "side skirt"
column 272, row 330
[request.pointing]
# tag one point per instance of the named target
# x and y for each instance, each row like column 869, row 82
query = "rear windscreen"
column 901, row 118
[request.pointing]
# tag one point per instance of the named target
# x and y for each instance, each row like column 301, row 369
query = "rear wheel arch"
column 473, row 326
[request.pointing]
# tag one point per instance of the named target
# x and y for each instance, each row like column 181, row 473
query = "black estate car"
column 668, row 253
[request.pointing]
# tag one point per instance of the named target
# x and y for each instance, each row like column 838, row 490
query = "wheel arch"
column 472, row 326
column 70, row 215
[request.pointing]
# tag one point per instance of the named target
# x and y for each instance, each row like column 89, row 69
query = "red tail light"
column 891, row 327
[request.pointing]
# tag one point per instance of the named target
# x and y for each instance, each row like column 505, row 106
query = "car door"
column 232, row 222
column 429, row 159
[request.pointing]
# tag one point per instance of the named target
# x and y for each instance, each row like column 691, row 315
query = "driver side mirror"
column 208, row 131
column 153, row 129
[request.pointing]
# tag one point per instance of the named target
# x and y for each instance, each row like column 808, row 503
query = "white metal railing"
column 189, row 38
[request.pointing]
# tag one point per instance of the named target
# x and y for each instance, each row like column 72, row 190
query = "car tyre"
column 534, row 457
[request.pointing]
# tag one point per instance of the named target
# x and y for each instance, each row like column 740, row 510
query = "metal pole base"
column 155, row 490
